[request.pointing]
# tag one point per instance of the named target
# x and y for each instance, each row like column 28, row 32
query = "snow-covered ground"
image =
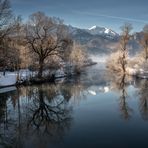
column 8, row 79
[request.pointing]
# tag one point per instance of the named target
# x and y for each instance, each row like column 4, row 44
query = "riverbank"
column 27, row 77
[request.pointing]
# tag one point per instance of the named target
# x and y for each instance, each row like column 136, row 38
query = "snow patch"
column 102, row 31
column 107, row 30
column 93, row 27
column 106, row 89
column 8, row 79
column 92, row 92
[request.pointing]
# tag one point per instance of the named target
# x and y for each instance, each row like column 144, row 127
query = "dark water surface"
column 96, row 109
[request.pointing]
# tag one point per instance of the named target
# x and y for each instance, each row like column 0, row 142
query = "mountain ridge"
column 99, row 40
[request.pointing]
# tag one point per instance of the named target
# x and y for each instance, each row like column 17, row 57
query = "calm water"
column 96, row 109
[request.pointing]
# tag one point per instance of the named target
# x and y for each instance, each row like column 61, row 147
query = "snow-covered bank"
column 27, row 77
column 9, row 79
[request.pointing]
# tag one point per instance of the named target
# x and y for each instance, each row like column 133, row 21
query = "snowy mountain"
column 99, row 39
column 96, row 30
column 72, row 30
column 95, row 39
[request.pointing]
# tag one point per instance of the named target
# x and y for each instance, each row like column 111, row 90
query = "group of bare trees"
column 48, row 40
column 8, row 27
column 119, row 60
column 39, row 43
column 44, row 41
column 144, row 41
column 119, row 63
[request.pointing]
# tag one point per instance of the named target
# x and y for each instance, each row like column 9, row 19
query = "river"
column 95, row 109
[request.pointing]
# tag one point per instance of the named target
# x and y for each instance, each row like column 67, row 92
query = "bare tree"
column 113, row 62
column 144, row 41
column 5, row 12
column 125, row 37
column 118, row 60
column 5, row 15
column 9, row 51
column 78, row 57
column 46, row 37
column 8, row 33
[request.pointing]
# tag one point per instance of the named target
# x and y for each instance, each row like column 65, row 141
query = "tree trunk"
column 123, row 62
column 4, row 71
column 146, row 53
column 40, row 72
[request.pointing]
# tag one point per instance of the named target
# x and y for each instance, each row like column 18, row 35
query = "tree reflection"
column 5, row 120
column 119, row 83
column 3, row 109
column 143, row 97
column 74, row 93
column 124, row 108
column 49, row 111
column 41, row 113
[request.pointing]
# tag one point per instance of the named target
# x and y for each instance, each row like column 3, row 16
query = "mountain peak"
column 96, row 30
column 93, row 27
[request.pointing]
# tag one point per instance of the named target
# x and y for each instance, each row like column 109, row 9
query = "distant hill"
column 101, row 40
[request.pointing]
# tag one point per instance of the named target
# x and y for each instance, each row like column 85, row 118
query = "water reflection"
column 120, row 83
column 48, row 111
column 41, row 110
column 43, row 115
column 143, row 98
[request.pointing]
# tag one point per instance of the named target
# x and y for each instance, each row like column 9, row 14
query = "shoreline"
column 44, row 80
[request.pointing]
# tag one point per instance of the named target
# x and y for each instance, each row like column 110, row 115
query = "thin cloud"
column 124, row 18
column 111, row 16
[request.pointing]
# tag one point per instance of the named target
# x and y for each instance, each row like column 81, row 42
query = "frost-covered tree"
column 118, row 60
column 8, row 30
column 78, row 57
column 45, row 36
column 144, row 42
column 125, row 37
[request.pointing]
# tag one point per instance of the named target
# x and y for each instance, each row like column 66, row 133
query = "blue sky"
column 86, row 13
